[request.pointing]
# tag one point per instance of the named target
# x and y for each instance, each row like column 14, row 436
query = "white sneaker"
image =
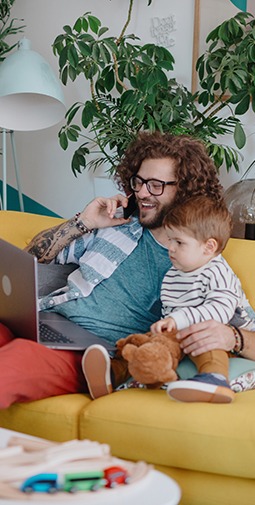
column 96, row 366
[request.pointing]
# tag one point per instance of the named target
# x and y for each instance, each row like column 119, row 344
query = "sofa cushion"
column 148, row 425
column 54, row 418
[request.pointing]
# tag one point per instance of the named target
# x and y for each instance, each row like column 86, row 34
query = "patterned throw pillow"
column 241, row 375
column 244, row 382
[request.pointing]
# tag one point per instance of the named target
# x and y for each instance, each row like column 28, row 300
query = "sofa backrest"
column 240, row 254
column 20, row 227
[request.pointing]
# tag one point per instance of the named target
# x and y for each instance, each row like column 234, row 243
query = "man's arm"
column 47, row 244
column 100, row 213
column 209, row 335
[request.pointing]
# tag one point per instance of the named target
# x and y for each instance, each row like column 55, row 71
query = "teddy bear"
column 152, row 357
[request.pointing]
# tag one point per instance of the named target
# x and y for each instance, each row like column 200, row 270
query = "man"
column 121, row 263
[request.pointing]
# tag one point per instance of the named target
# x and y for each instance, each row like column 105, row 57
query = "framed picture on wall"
column 171, row 25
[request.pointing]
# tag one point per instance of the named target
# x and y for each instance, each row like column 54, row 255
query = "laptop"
column 19, row 306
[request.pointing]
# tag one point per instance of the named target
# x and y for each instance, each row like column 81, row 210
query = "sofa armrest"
column 20, row 227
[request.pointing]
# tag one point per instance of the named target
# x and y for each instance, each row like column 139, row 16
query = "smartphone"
column 131, row 207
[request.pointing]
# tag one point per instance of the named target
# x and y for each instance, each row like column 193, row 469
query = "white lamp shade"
column 31, row 97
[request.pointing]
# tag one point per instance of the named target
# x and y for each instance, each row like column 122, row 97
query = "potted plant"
column 8, row 27
column 130, row 90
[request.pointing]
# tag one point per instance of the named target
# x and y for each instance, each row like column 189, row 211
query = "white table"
column 154, row 489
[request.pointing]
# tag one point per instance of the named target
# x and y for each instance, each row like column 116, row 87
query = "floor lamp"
column 31, row 99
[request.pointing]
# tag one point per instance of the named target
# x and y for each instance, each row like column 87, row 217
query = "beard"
column 156, row 219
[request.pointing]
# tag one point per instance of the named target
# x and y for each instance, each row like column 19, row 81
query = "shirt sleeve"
column 73, row 252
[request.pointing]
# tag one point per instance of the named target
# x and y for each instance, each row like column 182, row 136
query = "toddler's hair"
column 203, row 218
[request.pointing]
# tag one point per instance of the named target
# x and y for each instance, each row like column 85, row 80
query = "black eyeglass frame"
column 147, row 182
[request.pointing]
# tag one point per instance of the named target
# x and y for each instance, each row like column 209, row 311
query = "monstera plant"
column 132, row 88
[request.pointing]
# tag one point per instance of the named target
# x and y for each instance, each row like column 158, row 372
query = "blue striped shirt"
column 98, row 255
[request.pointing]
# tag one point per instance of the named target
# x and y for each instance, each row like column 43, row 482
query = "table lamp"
column 247, row 216
column 240, row 200
column 31, row 98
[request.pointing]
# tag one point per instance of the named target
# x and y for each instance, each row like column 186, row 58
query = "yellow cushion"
column 202, row 437
column 54, row 418
column 240, row 254
column 20, row 227
column 200, row 488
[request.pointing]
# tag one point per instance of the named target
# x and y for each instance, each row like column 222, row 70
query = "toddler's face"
column 186, row 252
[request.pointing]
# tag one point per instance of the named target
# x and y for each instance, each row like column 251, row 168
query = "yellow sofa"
column 208, row 449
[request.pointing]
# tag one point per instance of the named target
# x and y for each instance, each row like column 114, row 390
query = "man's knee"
column 6, row 335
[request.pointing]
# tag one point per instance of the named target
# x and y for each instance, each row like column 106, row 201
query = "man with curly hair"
column 121, row 262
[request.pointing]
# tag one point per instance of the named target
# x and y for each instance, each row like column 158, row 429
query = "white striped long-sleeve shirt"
column 210, row 292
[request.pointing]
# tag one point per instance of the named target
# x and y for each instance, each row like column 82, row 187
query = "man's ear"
column 211, row 246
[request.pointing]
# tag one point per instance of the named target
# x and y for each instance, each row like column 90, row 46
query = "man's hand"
column 206, row 336
column 100, row 213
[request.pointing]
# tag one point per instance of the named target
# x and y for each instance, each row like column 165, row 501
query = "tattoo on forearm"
column 47, row 244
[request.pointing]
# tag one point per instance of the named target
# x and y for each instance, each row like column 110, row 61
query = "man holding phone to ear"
column 121, row 263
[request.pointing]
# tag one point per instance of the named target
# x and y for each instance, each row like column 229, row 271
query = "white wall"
column 45, row 168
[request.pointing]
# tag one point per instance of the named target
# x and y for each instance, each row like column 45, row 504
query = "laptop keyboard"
column 47, row 334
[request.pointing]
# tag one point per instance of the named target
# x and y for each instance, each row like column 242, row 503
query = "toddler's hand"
column 167, row 324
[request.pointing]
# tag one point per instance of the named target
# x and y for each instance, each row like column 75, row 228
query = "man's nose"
column 143, row 192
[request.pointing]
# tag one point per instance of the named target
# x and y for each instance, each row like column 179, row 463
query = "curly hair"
column 203, row 218
column 194, row 170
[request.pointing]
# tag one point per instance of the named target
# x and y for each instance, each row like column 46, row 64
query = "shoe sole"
column 96, row 366
column 188, row 391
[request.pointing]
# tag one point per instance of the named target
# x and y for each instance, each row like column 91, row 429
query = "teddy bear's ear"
column 128, row 351
column 120, row 343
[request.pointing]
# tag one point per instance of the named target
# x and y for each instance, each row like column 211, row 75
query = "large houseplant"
column 8, row 28
column 130, row 90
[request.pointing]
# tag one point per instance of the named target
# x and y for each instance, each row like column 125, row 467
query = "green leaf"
column 63, row 140
column 102, row 30
column 109, row 80
column 72, row 56
column 111, row 45
column 239, row 136
column 72, row 134
column 87, row 114
column 64, row 75
column 94, row 24
column 63, row 57
column 85, row 25
column 140, row 112
column 104, row 53
column 166, row 64
column 72, row 73
column 68, row 29
column 243, row 105
column 151, row 122
column 236, row 98
column 84, row 48
column 71, row 113
column 78, row 25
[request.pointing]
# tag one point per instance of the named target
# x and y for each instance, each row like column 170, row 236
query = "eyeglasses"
column 154, row 186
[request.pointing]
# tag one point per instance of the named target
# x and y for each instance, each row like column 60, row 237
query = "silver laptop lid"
column 18, row 291
column 18, row 305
